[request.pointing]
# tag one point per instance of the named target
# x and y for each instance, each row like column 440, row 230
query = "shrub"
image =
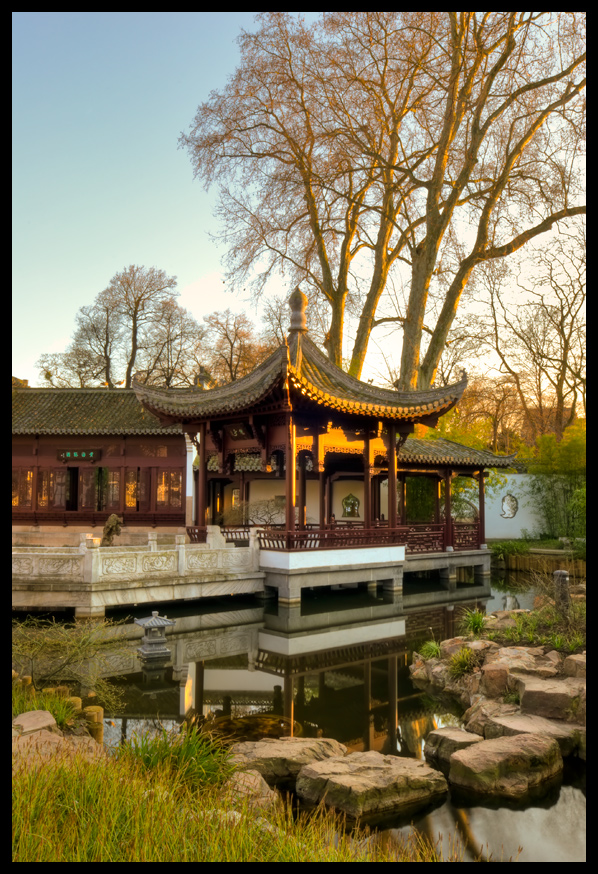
column 472, row 621
column 429, row 650
column 464, row 661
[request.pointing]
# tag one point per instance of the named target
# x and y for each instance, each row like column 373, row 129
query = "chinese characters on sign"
column 75, row 455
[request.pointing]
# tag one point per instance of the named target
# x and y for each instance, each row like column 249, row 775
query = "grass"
column 197, row 759
column 25, row 698
column 503, row 548
column 547, row 625
column 464, row 661
column 430, row 649
column 128, row 810
column 472, row 621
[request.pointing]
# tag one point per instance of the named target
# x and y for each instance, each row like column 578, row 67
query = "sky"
column 99, row 182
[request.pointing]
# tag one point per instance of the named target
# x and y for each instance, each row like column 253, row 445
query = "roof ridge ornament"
column 298, row 304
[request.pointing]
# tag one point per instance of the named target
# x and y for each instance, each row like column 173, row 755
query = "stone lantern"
column 153, row 652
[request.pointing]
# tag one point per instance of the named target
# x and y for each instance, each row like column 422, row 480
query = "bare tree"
column 125, row 320
column 373, row 142
column 137, row 294
column 540, row 339
column 170, row 346
column 232, row 345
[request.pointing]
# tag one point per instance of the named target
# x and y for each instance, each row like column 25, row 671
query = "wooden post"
column 302, row 497
column 392, row 475
column 403, row 487
column 367, row 488
column 392, row 703
column 288, row 699
column 200, row 497
column 482, row 511
column 368, row 733
column 290, row 473
column 448, row 519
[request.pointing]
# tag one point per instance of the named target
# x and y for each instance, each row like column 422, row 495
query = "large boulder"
column 443, row 742
column 35, row 720
column 370, row 784
column 553, row 698
column 570, row 737
column 575, row 665
column 494, row 680
column 33, row 750
column 506, row 767
column 477, row 717
column 523, row 659
column 279, row 760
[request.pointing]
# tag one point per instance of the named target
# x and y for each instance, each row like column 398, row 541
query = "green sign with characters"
column 75, row 456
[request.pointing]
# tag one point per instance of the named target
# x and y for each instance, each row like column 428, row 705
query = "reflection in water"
column 337, row 666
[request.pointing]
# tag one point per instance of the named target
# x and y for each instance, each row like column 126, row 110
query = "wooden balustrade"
column 417, row 538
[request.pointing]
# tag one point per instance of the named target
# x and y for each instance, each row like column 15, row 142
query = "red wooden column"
column 290, row 473
column 367, row 486
column 392, row 475
column 200, row 495
column 448, row 519
column 403, row 487
column 302, row 496
column 482, row 510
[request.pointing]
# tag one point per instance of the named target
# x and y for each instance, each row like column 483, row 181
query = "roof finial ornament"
column 298, row 303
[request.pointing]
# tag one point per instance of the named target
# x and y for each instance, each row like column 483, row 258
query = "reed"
column 120, row 810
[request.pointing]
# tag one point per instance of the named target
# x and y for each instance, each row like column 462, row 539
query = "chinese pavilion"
column 331, row 453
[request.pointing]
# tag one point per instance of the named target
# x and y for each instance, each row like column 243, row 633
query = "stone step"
column 506, row 767
column 552, row 698
column 370, row 784
column 570, row 737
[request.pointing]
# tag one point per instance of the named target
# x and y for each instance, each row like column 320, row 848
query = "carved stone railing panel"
column 39, row 566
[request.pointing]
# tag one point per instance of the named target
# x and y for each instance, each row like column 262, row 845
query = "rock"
column 494, row 680
column 451, row 646
column 523, row 659
column 480, row 714
column 575, row 665
column 368, row 784
column 35, row 720
column 279, row 760
column 251, row 786
column 506, row 767
column 567, row 735
column 553, row 698
column 443, row 742
column 34, row 749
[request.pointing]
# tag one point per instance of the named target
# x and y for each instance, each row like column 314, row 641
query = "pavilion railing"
column 196, row 535
column 419, row 538
column 329, row 538
column 466, row 535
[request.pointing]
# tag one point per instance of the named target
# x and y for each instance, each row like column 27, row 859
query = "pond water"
column 338, row 666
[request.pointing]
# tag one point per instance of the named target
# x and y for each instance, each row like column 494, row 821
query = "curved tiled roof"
column 310, row 374
column 442, row 451
column 82, row 411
